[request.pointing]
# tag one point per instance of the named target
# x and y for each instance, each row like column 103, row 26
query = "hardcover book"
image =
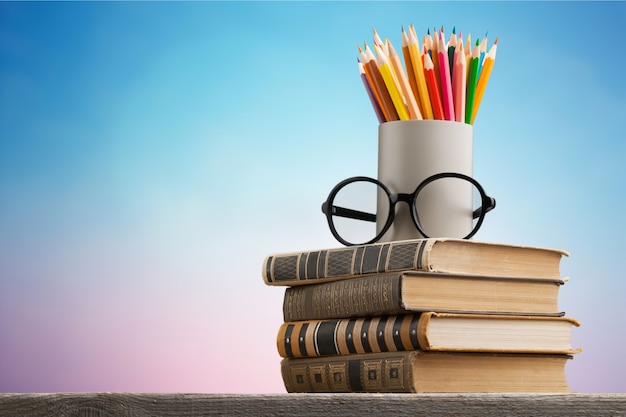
column 402, row 292
column 428, row 331
column 431, row 255
column 427, row 372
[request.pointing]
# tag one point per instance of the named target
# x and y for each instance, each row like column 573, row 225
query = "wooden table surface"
column 185, row 405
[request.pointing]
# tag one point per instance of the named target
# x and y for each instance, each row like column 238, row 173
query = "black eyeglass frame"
column 487, row 204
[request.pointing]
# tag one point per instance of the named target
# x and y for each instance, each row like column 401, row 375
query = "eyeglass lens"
column 444, row 207
column 361, row 196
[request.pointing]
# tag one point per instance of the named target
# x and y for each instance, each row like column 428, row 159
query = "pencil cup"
column 410, row 151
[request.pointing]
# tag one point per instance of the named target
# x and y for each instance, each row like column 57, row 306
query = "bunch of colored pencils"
column 444, row 80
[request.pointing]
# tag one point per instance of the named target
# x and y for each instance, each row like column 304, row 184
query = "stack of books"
column 423, row 315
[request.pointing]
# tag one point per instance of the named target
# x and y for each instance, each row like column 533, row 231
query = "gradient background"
column 152, row 154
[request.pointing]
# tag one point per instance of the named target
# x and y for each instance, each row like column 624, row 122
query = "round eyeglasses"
column 358, row 206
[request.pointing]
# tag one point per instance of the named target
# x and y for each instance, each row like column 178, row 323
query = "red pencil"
column 433, row 89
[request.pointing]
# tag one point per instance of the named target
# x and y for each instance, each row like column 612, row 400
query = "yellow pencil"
column 483, row 79
column 401, row 77
column 394, row 92
column 418, row 69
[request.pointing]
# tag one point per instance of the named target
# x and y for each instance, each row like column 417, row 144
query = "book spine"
column 348, row 336
column 333, row 264
column 372, row 295
column 364, row 373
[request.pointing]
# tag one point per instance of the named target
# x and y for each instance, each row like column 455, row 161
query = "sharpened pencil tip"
column 496, row 42
column 454, row 30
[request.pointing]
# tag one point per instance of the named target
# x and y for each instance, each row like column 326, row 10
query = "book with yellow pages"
column 430, row 255
column 403, row 292
column 429, row 331
column 427, row 372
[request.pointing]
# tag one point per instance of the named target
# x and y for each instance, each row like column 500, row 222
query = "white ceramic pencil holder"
column 409, row 151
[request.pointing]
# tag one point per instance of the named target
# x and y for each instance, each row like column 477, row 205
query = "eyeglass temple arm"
column 349, row 213
column 488, row 207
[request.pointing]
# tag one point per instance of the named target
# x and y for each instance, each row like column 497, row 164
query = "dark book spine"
column 366, row 296
column 386, row 372
column 330, row 264
column 349, row 336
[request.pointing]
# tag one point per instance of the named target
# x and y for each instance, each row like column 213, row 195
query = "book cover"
column 432, row 255
column 427, row 372
column 403, row 292
column 429, row 331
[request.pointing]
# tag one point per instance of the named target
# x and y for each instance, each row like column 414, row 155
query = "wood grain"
column 186, row 405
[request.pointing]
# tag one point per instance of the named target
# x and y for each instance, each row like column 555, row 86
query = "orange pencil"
column 409, row 69
column 373, row 86
column 418, row 69
column 433, row 88
column 387, row 103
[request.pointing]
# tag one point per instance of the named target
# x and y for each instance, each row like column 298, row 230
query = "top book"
column 432, row 255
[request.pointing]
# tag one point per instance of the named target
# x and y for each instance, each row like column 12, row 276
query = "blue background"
column 153, row 153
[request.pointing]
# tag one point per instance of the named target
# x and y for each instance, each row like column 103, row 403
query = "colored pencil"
column 378, row 41
column 441, row 80
column 372, row 84
column 406, row 54
column 370, row 93
column 390, row 82
column 483, row 51
column 418, row 69
column 433, row 88
column 451, row 48
column 445, row 80
column 459, row 83
column 403, row 81
column 472, row 78
column 468, row 53
column 435, row 57
column 388, row 106
column 483, row 79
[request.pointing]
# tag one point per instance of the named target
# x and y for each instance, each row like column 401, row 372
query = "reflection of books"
column 433, row 255
column 427, row 331
column 398, row 293
column 417, row 371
